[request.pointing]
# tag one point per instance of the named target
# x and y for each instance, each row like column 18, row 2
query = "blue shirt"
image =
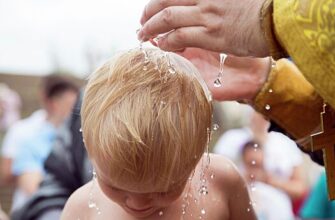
column 35, row 150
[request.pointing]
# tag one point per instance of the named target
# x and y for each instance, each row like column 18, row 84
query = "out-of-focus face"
column 138, row 203
column 253, row 162
column 60, row 107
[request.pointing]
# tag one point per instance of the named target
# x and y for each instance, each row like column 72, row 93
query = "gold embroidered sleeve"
column 306, row 29
column 289, row 100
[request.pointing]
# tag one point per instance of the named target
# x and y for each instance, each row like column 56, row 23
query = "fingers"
column 155, row 6
column 181, row 38
column 169, row 19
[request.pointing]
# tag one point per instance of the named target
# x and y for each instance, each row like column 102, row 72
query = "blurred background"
column 73, row 37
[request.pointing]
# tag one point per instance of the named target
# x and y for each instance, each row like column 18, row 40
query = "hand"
column 242, row 77
column 227, row 26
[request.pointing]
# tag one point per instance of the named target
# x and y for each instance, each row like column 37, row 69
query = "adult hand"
column 218, row 25
column 242, row 77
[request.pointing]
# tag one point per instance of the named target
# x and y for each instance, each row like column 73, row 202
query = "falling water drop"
column 216, row 127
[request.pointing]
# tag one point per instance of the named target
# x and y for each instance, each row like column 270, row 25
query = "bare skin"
column 227, row 199
column 246, row 74
column 216, row 25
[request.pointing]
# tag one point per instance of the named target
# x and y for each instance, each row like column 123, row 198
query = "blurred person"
column 14, row 137
column 149, row 162
column 317, row 204
column 283, row 160
column 270, row 203
column 10, row 107
column 67, row 168
column 58, row 97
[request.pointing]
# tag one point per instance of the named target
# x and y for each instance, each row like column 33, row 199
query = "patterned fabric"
column 306, row 29
column 294, row 104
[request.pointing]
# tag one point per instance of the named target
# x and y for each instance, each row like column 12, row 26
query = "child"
column 271, row 202
column 146, row 119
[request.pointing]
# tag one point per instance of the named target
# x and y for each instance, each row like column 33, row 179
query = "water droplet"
column 217, row 83
column 253, row 162
column 203, row 211
column 248, row 209
column 160, row 213
column 91, row 204
column 270, row 91
column 267, row 107
column 183, row 212
column 212, row 176
column 171, row 70
column 252, row 176
column 203, row 190
column 216, row 127
column 195, row 200
column 80, row 130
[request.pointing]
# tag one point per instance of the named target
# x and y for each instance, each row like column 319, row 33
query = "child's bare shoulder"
column 225, row 171
column 76, row 206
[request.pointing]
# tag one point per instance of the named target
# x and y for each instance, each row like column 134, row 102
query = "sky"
column 40, row 36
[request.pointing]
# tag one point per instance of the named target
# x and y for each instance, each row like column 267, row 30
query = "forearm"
column 295, row 189
column 29, row 182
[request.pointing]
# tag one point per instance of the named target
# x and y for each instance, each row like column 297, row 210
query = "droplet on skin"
column 203, row 211
column 160, row 213
column 217, row 83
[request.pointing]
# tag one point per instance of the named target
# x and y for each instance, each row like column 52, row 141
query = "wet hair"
column 146, row 123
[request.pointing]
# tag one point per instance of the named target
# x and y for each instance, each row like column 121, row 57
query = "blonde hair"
column 146, row 123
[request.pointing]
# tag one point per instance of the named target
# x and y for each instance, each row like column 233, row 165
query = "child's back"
column 146, row 121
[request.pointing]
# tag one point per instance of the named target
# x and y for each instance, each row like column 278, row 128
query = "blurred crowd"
column 43, row 158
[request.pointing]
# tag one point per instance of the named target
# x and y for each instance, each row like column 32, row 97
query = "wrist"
column 261, row 72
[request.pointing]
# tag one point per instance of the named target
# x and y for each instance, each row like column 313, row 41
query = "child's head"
column 145, row 124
